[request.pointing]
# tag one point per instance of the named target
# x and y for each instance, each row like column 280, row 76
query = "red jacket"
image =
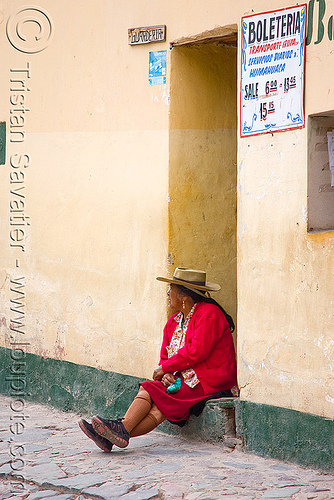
column 208, row 349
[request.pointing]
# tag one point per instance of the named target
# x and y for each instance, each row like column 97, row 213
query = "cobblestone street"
column 58, row 461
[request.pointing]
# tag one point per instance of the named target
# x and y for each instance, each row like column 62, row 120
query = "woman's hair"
column 200, row 298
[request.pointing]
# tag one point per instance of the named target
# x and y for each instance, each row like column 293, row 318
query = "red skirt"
column 175, row 407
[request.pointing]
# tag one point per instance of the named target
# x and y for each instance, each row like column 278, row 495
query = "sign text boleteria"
column 272, row 74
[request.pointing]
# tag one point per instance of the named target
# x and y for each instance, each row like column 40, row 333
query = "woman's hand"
column 168, row 379
column 158, row 373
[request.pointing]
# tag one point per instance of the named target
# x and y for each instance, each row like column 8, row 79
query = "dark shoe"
column 113, row 430
column 100, row 441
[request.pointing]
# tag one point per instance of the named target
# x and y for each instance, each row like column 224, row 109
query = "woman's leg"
column 141, row 417
column 139, row 409
column 148, row 423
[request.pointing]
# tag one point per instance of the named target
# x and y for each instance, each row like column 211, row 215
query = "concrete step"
column 216, row 424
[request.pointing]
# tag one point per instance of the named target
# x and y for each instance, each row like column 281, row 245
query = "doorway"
column 203, row 158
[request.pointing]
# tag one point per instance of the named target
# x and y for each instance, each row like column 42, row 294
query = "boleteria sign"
column 272, row 73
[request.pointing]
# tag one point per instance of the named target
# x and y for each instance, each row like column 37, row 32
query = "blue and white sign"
column 272, row 73
column 157, row 67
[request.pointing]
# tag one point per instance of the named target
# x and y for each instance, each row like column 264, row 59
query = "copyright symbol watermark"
column 30, row 30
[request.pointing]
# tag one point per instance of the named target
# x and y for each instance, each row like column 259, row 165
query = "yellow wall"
column 102, row 165
column 285, row 280
column 95, row 191
column 285, row 274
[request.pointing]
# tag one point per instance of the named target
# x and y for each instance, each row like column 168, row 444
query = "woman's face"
column 174, row 298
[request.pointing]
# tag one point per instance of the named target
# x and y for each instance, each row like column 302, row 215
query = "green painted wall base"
column 266, row 430
column 65, row 385
column 288, row 435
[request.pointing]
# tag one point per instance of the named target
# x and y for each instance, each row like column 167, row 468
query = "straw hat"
column 192, row 279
